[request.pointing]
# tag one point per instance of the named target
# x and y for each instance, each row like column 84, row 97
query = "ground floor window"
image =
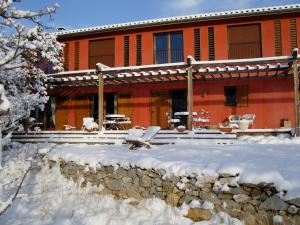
column 236, row 95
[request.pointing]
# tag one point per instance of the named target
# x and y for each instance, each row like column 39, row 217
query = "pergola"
column 282, row 66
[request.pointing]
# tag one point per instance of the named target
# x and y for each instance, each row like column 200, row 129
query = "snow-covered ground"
column 255, row 159
column 46, row 197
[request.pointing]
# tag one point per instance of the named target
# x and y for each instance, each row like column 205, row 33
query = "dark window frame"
column 169, row 49
column 235, row 96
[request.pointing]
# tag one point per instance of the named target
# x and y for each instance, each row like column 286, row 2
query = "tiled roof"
column 189, row 18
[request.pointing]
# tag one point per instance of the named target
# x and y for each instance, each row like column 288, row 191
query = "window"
column 236, row 96
column 138, row 49
column 102, row 51
column 197, row 44
column 211, row 43
column 126, row 51
column 66, row 56
column 168, row 48
column 76, row 57
column 293, row 33
column 277, row 37
column 244, row 41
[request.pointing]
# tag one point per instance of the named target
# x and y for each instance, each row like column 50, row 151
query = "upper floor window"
column 102, row 51
column 168, row 48
column 244, row 41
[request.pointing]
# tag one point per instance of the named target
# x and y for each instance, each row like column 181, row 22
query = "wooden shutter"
column 293, row 33
column 102, row 51
column 244, row 41
column 66, row 56
column 76, row 57
column 197, row 44
column 277, row 32
column 211, row 43
column 138, row 50
column 126, row 51
column 242, row 96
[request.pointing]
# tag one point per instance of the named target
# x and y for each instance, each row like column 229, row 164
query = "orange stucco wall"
column 269, row 98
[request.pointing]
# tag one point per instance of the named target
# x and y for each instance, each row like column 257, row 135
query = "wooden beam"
column 100, row 99
column 190, row 98
column 296, row 92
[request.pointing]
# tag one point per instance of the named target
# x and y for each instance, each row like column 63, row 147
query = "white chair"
column 172, row 121
column 234, row 119
column 89, row 124
column 250, row 118
column 137, row 138
column 203, row 119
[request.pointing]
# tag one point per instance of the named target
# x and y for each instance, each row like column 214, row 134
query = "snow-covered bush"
column 4, row 103
column 23, row 52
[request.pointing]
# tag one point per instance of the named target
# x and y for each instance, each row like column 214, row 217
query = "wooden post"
column 296, row 92
column 100, row 100
column 190, row 93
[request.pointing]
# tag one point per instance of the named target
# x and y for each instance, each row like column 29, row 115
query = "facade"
column 244, row 34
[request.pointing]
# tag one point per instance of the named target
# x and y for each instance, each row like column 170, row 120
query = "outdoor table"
column 116, row 121
column 183, row 117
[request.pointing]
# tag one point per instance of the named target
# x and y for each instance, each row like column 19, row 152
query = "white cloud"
column 184, row 7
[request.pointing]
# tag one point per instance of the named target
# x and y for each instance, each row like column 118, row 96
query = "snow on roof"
column 188, row 18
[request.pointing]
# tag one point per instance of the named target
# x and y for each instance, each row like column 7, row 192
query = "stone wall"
column 244, row 201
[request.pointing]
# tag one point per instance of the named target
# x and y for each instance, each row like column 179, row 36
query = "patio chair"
column 137, row 138
column 234, row 120
column 89, row 124
column 172, row 121
column 250, row 118
column 202, row 120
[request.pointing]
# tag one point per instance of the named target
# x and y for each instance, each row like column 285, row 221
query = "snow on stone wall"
column 245, row 201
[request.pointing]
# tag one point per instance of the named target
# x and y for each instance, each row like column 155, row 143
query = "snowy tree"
column 23, row 52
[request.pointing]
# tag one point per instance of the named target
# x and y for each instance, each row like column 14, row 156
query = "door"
column 83, row 109
column 125, row 106
column 159, row 108
column 61, row 113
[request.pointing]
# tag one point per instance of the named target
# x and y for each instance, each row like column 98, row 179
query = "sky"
column 74, row 14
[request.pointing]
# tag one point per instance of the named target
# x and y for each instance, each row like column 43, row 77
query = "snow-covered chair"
column 89, row 124
column 234, row 120
column 250, row 119
column 137, row 137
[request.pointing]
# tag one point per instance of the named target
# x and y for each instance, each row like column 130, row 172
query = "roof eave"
column 184, row 21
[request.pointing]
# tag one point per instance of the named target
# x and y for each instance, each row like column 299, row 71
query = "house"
column 242, row 68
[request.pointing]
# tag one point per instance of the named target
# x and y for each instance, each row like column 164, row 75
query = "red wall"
column 220, row 27
column 271, row 99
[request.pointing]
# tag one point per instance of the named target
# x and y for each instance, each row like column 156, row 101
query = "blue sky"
column 87, row 13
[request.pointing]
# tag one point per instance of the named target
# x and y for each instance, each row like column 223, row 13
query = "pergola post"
column 296, row 91
column 100, row 97
column 190, row 93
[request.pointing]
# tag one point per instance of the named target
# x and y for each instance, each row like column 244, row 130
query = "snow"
column 4, row 103
column 254, row 159
column 46, row 197
column 277, row 219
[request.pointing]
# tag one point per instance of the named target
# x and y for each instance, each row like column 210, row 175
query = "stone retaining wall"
column 244, row 201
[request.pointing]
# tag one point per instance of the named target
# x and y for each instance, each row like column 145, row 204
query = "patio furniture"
column 234, row 120
column 250, row 118
column 89, row 124
column 116, row 121
column 69, row 127
column 172, row 121
column 203, row 120
column 137, row 138
column 183, row 116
